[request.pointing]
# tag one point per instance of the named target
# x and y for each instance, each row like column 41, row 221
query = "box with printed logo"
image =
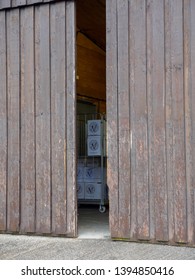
column 80, row 190
column 94, row 146
column 91, row 173
column 94, row 127
column 93, row 190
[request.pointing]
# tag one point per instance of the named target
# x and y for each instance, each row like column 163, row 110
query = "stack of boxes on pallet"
column 89, row 170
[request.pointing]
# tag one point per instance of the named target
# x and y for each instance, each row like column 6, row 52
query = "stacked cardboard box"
column 96, row 143
column 89, row 179
column 89, row 171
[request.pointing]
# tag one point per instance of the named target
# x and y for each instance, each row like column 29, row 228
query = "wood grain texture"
column 92, row 80
column 30, row 2
column 124, row 119
column 156, row 116
column 189, row 70
column 3, row 123
column 27, row 122
column 35, row 122
column 13, row 92
column 139, row 155
column 179, row 172
column 42, row 89
column 5, row 4
column 191, row 189
column 169, row 122
column 58, row 117
column 17, row 3
column 70, row 118
column 112, row 116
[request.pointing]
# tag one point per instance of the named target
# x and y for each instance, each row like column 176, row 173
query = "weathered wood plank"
column 112, row 115
column 179, row 171
column 30, row 2
column 17, row 3
column 149, row 26
column 5, row 4
column 13, row 80
column 58, row 117
column 191, row 189
column 189, row 85
column 124, row 118
column 3, row 123
column 27, row 122
column 42, row 88
column 169, row 121
column 156, row 115
column 139, row 155
column 71, row 122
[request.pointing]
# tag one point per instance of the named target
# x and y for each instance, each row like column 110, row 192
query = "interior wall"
column 91, row 72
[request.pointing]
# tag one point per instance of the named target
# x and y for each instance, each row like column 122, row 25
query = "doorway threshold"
column 92, row 224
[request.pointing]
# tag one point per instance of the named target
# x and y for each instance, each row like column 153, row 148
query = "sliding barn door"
column 151, row 119
column 37, row 119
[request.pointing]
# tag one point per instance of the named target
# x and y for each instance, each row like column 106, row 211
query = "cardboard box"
column 80, row 190
column 80, row 173
column 94, row 146
column 93, row 190
column 91, row 173
column 92, row 162
column 94, row 127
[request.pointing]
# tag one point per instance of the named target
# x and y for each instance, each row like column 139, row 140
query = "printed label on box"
column 92, row 190
column 94, row 127
column 94, row 145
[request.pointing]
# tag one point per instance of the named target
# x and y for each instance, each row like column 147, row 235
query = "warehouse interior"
column 92, row 190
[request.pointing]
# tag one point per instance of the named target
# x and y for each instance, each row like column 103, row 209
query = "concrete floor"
column 92, row 224
column 21, row 247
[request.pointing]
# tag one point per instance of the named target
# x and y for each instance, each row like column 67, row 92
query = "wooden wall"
column 37, row 119
column 4, row 4
column 91, row 70
column 151, row 119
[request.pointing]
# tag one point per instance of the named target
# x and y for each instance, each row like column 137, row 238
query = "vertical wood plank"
column 71, row 115
column 150, row 115
column 13, row 86
column 5, row 4
column 139, row 155
column 156, row 114
column 27, row 121
column 191, row 189
column 179, row 174
column 189, row 85
column 112, row 115
column 3, row 123
column 42, row 88
column 30, row 2
column 124, row 118
column 17, row 3
column 169, row 121
column 58, row 117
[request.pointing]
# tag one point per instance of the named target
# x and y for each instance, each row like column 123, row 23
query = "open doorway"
column 92, row 190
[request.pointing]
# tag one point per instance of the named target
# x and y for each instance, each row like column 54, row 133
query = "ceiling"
column 91, row 20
